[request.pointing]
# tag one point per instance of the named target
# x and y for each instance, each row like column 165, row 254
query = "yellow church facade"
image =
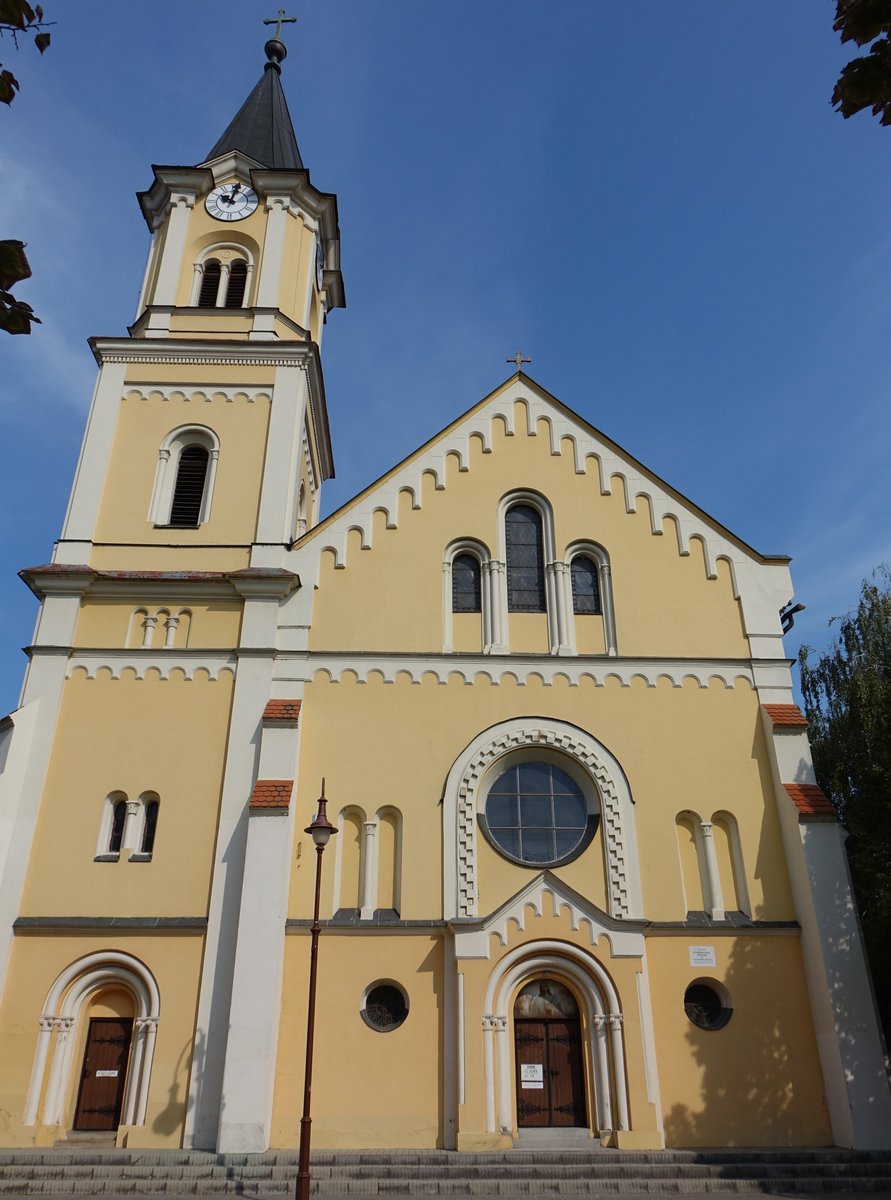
column 583, row 881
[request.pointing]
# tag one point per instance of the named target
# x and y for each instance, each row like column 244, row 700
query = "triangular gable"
column 472, row 935
column 616, row 467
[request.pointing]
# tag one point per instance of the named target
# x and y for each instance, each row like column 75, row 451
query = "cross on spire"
column 519, row 359
column 278, row 21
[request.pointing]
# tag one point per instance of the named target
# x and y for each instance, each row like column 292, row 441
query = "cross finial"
column 518, row 359
column 278, row 21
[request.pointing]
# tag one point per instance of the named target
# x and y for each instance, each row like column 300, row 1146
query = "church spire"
column 262, row 129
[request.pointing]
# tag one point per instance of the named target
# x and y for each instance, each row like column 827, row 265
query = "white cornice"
column 210, row 353
column 517, row 669
column 92, row 663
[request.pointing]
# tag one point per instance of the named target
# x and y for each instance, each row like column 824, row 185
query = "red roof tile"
column 789, row 715
column 810, row 800
column 282, row 710
column 271, row 793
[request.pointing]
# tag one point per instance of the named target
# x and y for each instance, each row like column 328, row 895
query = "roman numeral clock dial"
column 231, row 202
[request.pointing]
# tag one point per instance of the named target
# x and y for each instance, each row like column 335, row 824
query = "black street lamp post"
column 320, row 829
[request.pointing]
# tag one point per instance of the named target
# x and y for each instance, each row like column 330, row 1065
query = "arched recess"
column 349, row 865
column 65, row 1006
column 605, row 1048
column 599, row 556
column 489, row 631
column 731, row 864
column 224, row 256
column 388, row 861
column 169, row 453
column 688, row 832
column 461, row 798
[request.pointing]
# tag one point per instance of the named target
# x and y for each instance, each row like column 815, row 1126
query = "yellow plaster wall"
column 206, row 378
column 757, row 1082
column 213, row 624
column 131, row 735
column 665, row 604
column 687, row 747
column 175, row 962
column 392, row 1093
column 141, row 428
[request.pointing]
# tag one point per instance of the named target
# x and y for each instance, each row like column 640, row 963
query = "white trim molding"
column 491, row 620
column 67, row 999
column 464, row 791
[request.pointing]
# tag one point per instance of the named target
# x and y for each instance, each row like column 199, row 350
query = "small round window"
column 536, row 814
column 706, row 1006
column 385, row 1007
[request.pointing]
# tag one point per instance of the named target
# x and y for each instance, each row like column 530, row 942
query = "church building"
column 583, row 879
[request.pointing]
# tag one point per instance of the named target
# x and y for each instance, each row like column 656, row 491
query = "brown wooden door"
column 104, row 1074
column 550, row 1082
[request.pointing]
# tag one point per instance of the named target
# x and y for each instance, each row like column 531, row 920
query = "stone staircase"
column 63, row 1171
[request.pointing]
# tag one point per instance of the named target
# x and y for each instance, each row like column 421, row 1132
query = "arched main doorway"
column 548, row 1056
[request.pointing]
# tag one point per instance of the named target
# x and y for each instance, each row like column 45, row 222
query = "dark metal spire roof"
column 262, row 127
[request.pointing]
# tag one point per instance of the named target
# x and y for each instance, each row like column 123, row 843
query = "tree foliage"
column 847, row 698
column 18, row 17
column 866, row 81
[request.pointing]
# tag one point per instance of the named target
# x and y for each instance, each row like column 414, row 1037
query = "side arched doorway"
column 548, row 1057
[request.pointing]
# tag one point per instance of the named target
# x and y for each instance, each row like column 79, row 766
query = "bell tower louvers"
column 205, row 450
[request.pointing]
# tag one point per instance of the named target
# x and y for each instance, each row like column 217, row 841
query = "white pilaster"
column 847, row 1030
column 282, row 466
column 170, row 266
column 271, row 266
column 86, row 491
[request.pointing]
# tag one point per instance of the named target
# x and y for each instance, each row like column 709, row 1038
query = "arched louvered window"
column 525, row 559
column 466, row 590
column 585, row 585
column 116, row 837
column 185, row 511
column 210, row 284
column 150, row 827
column 237, row 282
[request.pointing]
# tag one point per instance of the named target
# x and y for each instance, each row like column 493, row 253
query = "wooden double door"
column 550, row 1076
column 104, row 1074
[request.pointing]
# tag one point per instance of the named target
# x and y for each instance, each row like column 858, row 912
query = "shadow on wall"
column 172, row 1115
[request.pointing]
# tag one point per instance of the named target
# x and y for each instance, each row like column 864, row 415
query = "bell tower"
column 161, row 611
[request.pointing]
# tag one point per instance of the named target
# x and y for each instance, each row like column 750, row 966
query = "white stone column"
column 368, row 899
column 505, row 1117
column 148, row 632
column 197, row 280
column 552, row 603
column 170, row 627
column 223, row 285
column 604, row 1091
column 181, row 205
column 615, row 1033
column 489, row 1071
column 52, row 1107
column 38, row 1070
column 500, row 638
column 447, row 621
column 606, row 603
column 711, row 875
column 130, row 838
column 151, row 1032
column 137, row 1056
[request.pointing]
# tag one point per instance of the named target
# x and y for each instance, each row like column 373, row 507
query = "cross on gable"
column 519, row 360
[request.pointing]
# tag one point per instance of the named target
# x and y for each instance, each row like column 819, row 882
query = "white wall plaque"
column 106, row 1074
column 531, row 1076
column 702, row 956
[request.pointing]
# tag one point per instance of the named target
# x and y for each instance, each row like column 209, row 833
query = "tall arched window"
column 237, row 283
column 118, row 820
column 585, row 585
column 210, row 284
column 466, row 584
column 150, row 826
column 188, row 492
column 525, row 559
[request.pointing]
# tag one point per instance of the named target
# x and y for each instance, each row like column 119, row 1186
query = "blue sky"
column 654, row 200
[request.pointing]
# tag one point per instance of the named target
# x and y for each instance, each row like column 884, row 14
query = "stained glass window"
column 536, row 814
column 466, row 584
column 585, row 587
column 525, row 559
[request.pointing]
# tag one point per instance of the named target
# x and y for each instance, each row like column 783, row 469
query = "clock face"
column 320, row 264
column 231, row 202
